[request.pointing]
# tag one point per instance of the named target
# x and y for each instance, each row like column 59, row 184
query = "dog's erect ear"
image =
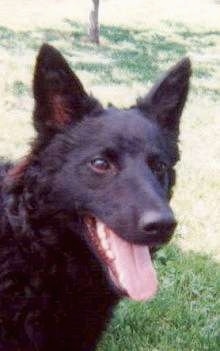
column 60, row 98
column 166, row 99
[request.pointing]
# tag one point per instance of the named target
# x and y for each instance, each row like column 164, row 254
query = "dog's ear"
column 166, row 99
column 60, row 98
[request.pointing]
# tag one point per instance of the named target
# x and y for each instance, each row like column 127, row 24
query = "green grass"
column 183, row 316
column 136, row 46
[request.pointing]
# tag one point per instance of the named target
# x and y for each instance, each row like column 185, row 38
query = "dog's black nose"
column 158, row 223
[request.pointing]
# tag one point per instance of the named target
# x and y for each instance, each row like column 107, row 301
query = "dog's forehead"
column 115, row 129
column 128, row 125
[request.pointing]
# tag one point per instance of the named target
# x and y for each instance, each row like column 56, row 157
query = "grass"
column 182, row 317
column 136, row 46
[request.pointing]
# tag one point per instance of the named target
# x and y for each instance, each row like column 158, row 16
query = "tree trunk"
column 93, row 31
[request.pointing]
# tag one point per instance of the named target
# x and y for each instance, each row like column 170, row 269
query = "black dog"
column 81, row 214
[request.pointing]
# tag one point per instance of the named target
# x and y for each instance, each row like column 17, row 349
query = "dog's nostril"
column 158, row 223
column 160, row 227
column 151, row 228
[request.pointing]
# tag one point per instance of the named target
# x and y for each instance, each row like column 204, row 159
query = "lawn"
column 139, row 40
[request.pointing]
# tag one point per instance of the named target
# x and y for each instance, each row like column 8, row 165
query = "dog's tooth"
column 101, row 230
column 110, row 254
column 121, row 279
column 101, row 236
column 105, row 244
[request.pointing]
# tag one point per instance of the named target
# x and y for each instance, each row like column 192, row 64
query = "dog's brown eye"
column 159, row 168
column 100, row 164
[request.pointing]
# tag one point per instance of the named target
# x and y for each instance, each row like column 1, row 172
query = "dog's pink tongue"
column 134, row 267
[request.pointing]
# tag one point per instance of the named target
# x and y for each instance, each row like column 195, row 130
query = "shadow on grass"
column 199, row 39
column 125, row 55
column 183, row 316
column 19, row 88
column 131, row 55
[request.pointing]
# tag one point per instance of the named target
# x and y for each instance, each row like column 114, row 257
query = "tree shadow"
column 125, row 54
column 134, row 54
column 184, row 313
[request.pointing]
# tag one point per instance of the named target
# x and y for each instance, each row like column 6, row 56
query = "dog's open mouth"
column 129, row 265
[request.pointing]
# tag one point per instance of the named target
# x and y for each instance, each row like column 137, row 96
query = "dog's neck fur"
column 19, row 223
column 55, row 267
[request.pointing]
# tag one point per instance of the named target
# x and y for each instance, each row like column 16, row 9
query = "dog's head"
column 113, row 167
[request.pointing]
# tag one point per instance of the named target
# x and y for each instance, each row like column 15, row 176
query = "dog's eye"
column 159, row 168
column 100, row 164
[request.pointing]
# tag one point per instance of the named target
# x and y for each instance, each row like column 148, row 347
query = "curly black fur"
column 55, row 293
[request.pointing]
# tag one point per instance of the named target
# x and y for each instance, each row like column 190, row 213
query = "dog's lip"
column 154, row 242
column 109, row 267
